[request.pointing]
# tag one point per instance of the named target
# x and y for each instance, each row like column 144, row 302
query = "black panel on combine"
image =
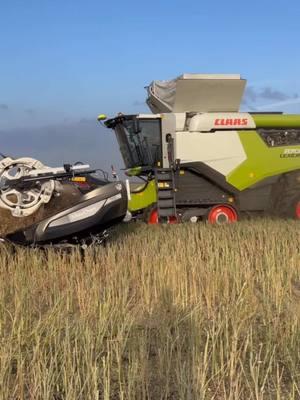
column 195, row 189
column 256, row 198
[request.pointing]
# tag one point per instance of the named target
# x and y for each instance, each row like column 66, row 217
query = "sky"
column 62, row 62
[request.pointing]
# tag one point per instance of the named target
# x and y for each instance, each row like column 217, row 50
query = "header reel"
column 26, row 184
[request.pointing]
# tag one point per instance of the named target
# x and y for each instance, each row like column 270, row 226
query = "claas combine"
column 196, row 155
column 202, row 159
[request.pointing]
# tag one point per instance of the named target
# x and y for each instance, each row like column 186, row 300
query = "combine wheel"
column 172, row 220
column 298, row 210
column 222, row 214
column 288, row 205
column 151, row 216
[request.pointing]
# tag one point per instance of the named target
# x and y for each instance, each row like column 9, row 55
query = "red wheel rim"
column 172, row 220
column 298, row 210
column 153, row 219
column 222, row 214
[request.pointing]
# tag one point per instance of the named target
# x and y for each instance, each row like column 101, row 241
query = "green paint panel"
column 134, row 171
column 262, row 161
column 276, row 121
column 143, row 198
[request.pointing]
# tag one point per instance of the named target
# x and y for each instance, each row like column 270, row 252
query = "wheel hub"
column 222, row 214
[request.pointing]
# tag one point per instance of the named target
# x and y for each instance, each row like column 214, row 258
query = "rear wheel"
column 222, row 214
column 288, row 205
column 298, row 210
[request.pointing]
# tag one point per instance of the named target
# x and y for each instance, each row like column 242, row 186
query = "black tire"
column 286, row 196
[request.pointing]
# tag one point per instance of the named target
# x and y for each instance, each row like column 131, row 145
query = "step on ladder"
column 165, row 186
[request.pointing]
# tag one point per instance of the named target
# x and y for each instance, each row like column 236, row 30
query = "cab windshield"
column 139, row 141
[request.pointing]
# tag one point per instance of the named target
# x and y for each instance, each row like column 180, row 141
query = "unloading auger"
column 67, row 205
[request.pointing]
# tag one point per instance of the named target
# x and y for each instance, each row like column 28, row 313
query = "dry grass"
column 170, row 312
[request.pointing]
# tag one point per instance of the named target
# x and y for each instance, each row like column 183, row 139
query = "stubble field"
column 164, row 312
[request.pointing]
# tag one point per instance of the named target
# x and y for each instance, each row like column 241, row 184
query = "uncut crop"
column 163, row 312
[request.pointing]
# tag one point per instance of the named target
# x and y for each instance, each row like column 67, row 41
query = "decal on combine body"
column 290, row 153
column 231, row 122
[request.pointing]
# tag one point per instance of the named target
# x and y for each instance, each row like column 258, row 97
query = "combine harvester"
column 202, row 159
column 199, row 159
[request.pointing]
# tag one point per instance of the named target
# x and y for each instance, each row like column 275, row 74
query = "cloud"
column 85, row 140
column 271, row 94
column 30, row 111
column 290, row 102
column 3, row 107
column 253, row 95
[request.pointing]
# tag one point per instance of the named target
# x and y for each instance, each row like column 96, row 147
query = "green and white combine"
column 200, row 158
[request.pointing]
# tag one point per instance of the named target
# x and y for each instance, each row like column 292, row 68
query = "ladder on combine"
column 165, row 186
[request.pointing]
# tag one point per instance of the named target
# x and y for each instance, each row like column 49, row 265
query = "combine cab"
column 202, row 159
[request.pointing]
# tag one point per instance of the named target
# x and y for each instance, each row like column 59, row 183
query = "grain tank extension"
column 201, row 158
